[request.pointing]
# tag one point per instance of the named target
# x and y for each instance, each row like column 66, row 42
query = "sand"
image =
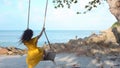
column 63, row 60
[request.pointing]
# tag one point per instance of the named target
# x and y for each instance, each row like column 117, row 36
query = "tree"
column 114, row 6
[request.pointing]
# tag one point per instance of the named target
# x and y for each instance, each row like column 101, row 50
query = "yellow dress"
column 35, row 54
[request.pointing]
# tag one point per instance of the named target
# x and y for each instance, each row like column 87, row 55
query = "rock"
column 3, row 51
column 104, row 43
column 94, row 44
column 80, row 51
column 105, row 37
column 110, row 37
column 12, row 51
column 58, row 47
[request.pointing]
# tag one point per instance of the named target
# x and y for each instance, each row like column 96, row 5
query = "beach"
column 64, row 60
column 80, row 37
column 95, row 51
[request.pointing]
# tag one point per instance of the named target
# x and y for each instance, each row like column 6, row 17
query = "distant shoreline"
column 11, row 38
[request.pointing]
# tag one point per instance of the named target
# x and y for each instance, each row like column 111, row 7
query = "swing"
column 49, row 55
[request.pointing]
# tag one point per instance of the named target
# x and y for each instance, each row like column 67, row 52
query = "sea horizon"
column 9, row 38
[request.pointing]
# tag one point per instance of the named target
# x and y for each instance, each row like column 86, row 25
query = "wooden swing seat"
column 50, row 56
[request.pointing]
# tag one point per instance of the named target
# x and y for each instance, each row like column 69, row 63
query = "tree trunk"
column 116, row 32
column 114, row 7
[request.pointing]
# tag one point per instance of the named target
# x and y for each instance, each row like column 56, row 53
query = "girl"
column 34, row 54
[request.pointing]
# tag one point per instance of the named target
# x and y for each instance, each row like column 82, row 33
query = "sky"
column 13, row 16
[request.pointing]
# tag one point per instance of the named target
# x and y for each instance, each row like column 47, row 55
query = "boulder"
column 3, row 51
column 12, row 51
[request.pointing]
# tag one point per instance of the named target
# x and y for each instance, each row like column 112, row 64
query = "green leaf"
column 84, row 12
column 64, row 1
column 53, row 1
column 98, row 1
column 76, row 1
column 78, row 12
column 86, row 6
column 58, row 6
column 72, row 0
column 55, row 7
column 89, row 8
column 94, row 6
column 68, row 6
column 62, row 5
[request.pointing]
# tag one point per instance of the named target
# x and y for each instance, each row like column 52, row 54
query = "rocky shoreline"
column 12, row 51
column 104, row 43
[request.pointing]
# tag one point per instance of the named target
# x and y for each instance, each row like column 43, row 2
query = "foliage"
column 116, row 24
column 61, row 3
column 92, row 4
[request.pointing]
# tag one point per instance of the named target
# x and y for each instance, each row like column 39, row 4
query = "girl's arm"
column 41, row 33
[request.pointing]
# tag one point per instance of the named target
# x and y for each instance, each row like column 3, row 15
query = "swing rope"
column 44, row 27
column 43, row 23
column 28, row 15
column 45, row 13
column 51, row 54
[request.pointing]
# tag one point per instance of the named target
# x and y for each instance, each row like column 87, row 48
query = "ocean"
column 9, row 38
